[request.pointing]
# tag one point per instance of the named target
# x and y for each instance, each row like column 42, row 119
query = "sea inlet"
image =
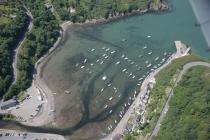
column 97, row 72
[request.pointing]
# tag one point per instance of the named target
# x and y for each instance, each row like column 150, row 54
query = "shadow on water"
column 91, row 37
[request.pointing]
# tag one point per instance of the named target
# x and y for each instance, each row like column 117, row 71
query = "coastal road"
column 186, row 67
column 123, row 122
column 14, row 64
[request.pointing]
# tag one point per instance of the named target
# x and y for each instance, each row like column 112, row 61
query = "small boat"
column 115, row 121
column 82, row 67
column 85, row 61
column 123, row 56
column 149, row 65
column 133, row 76
column 156, row 58
column 147, row 62
column 109, row 84
column 132, row 63
column 67, row 91
column 135, row 92
column 126, row 72
column 91, row 64
column 149, row 36
column 110, row 98
column 150, row 53
column 92, row 50
column 104, row 78
column 107, row 49
column 165, row 53
column 105, row 107
column 102, row 89
column 109, row 128
column 110, row 111
column 140, row 79
column 126, row 58
column 103, row 48
column 97, row 60
column 125, row 105
column 124, row 40
column 117, row 63
column 77, row 65
column 106, row 57
column 130, row 74
column 129, row 103
column 123, row 70
column 113, row 52
column 102, row 62
column 120, row 116
column 144, row 47
column 140, row 54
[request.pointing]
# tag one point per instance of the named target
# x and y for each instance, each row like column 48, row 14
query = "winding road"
column 14, row 63
column 186, row 67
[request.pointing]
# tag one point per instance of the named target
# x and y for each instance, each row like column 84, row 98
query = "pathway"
column 186, row 67
column 14, row 64
column 181, row 51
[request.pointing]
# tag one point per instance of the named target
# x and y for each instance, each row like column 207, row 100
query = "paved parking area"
column 30, row 107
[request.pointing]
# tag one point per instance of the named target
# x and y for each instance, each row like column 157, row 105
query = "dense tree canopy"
column 189, row 113
column 43, row 35
column 94, row 9
column 13, row 23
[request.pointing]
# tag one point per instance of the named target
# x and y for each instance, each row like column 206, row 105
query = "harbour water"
column 98, row 71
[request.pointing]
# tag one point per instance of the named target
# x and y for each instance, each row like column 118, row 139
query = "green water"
column 116, row 52
column 90, row 53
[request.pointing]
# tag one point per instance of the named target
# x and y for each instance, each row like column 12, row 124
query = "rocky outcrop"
column 158, row 5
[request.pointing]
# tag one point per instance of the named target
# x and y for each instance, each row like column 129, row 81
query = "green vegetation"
column 164, row 82
column 45, row 31
column 13, row 23
column 189, row 113
column 6, row 117
column 43, row 35
column 93, row 9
